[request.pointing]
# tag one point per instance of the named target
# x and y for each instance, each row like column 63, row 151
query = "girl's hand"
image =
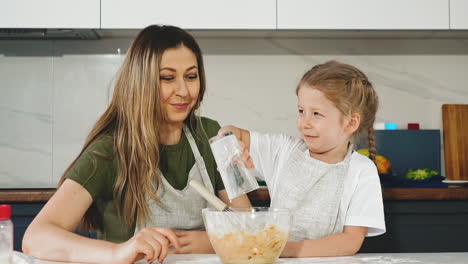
column 151, row 243
column 193, row 242
column 235, row 130
column 246, row 158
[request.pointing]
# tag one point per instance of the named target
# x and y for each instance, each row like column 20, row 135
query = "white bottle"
column 6, row 235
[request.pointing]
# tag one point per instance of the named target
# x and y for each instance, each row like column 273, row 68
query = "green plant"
column 420, row 174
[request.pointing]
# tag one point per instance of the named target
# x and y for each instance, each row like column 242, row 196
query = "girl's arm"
column 344, row 244
column 50, row 235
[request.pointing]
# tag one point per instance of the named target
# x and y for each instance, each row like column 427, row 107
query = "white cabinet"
column 189, row 14
column 50, row 14
column 363, row 14
column 458, row 14
column 237, row 14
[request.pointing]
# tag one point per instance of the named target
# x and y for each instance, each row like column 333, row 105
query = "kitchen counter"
column 389, row 194
column 417, row 219
column 427, row 258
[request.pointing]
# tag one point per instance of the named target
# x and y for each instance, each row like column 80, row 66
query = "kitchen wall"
column 53, row 91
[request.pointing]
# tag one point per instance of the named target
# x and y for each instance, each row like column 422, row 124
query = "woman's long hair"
column 133, row 119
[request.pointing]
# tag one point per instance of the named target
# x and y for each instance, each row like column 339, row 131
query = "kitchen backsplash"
column 53, row 91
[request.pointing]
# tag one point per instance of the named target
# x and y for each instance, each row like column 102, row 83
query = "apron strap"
column 199, row 160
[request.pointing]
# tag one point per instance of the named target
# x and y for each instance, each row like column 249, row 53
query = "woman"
column 130, row 180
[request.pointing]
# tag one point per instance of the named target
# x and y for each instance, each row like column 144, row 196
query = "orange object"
column 383, row 164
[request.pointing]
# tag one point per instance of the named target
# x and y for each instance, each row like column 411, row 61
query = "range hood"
column 47, row 33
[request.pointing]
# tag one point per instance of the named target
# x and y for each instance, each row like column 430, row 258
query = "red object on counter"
column 5, row 212
column 413, row 126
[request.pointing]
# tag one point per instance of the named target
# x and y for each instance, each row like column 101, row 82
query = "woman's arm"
column 344, row 244
column 50, row 235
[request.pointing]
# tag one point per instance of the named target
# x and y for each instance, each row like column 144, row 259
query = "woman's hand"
column 193, row 242
column 150, row 243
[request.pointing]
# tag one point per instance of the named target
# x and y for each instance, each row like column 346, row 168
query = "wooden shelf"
column 396, row 194
column 389, row 194
column 459, row 193
column 26, row 196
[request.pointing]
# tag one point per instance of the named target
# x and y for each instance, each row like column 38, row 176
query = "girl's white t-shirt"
column 361, row 202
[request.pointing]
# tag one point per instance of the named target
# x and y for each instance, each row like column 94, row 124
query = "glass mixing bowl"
column 255, row 235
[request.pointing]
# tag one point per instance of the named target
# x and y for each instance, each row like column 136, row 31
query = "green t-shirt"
column 96, row 171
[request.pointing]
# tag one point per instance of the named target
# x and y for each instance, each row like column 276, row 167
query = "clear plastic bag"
column 236, row 177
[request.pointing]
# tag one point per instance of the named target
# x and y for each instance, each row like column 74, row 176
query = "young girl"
column 332, row 191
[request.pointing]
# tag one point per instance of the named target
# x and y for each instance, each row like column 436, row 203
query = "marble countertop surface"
column 374, row 258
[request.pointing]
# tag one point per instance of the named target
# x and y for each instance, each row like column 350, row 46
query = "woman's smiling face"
column 179, row 83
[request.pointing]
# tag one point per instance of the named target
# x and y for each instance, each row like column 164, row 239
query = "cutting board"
column 455, row 124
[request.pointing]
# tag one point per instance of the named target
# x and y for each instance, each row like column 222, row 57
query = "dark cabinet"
column 422, row 226
column 419, row 226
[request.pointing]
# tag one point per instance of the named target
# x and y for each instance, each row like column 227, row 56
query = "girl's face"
column 321, row 124
column 179, row 83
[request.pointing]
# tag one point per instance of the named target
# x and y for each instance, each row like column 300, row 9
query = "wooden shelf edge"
column 25, row 196
column 396, row 194
column 389, row 194
column 460, row 193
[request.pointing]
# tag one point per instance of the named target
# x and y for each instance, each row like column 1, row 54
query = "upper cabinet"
column 364, row 14
column 50, row 14
column 237, row 14
column 191, row 14
column 458, row 14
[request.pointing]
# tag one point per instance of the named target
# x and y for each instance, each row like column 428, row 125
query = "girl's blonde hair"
column 134, row 117
column 350, row 91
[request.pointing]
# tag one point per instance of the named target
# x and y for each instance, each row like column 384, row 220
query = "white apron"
column 180, row 209
column 312, row 190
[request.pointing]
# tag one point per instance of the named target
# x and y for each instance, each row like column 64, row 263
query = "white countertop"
column 375, row 258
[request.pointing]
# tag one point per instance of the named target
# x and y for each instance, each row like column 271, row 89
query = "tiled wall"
column 53, row 91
